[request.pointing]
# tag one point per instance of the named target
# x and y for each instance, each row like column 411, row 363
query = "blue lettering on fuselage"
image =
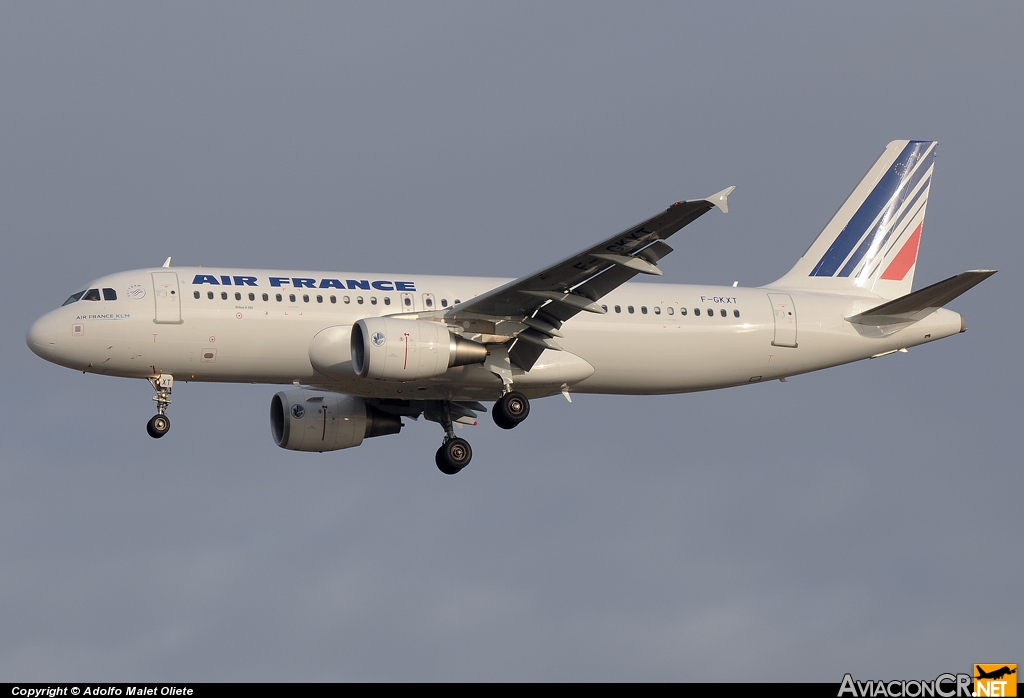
column 302, row 282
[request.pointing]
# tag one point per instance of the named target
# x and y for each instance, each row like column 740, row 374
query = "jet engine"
column 402, row 350
column 312, row 420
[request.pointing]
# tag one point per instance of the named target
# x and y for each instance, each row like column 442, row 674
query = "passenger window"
column 195, row 294
column 373, row 300
column 278, row 297
column 444, row 302
column 334, row 299
column 711, row 312
column 430, row 302
column 291, row 297
column 408, row 301
column 682, row 311
column 93, row 294
column 238, row 296
column 223, row 295
column 643, row 309
column 671, row 310
column 630, row 309
column 75, row 296
column 457, row 301
column 266, row 297
column 346, row 300
column 252, row 296
column 209, row 294
column 359, row 300
column 657, row 310
column 305, row 298
column 723, row 313
column 696, row 311
column 109, row 294
column 735, row 313
column 387, row 300
column 618, row 308
column 319, row 299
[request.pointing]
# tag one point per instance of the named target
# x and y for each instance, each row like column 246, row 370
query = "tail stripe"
column 872, row 208
column 905, row 258
column 871, row 245
column 916, row 214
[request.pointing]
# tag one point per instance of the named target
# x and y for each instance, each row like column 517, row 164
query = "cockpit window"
column 109, row 294
column 93, row 294
column 74, row 297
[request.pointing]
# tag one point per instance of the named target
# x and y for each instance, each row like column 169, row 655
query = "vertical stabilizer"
column 871, row 243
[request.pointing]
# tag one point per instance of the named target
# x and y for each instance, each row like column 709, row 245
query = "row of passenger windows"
column 93, row 294
column 360, row 300
column 670, row 310
column 279, row 297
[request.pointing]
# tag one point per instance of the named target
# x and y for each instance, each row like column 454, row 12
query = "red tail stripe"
column 905, row 258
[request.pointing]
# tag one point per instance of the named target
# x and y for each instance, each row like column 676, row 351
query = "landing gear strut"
column 455, row 453
column 510, row 411
column 160, row 424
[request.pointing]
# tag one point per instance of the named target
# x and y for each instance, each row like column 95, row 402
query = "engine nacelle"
column 312, row 420
column 403, row 350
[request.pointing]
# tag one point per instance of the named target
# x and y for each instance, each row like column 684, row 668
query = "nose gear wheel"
column 158, row 425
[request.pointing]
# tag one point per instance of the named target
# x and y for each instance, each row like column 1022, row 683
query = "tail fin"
column 871, row 243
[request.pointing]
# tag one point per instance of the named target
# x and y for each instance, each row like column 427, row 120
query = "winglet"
column 167, row 263
column 721, row 199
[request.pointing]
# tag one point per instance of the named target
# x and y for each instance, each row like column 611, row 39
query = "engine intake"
column 402, row 350
column 312, row 420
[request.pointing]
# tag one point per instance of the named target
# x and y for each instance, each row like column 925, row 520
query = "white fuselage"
column 655, row 337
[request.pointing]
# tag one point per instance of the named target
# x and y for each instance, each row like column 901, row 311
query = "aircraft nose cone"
column 42, row 336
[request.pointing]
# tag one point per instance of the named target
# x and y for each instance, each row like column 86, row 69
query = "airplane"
column 361, row 351
column 995, row 674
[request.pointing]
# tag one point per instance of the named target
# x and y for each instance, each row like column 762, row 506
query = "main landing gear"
column 454, row 454
column 511, row 410
column 160, row 424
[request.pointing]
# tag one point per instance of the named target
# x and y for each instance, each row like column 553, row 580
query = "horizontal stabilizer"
column 920, row 304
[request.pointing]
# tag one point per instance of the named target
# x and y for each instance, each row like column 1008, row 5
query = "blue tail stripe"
column 894, row 204
column 868, row 212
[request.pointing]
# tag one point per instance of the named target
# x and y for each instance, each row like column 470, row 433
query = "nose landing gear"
column 160, row 424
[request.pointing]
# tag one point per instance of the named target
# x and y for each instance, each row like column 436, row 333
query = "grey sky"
column 862, row 519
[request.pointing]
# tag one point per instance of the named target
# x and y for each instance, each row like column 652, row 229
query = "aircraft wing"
column 542, row 301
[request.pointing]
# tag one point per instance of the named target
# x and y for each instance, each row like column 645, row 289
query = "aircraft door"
column 408, row 303
column 168, row 299
column 785, row 319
